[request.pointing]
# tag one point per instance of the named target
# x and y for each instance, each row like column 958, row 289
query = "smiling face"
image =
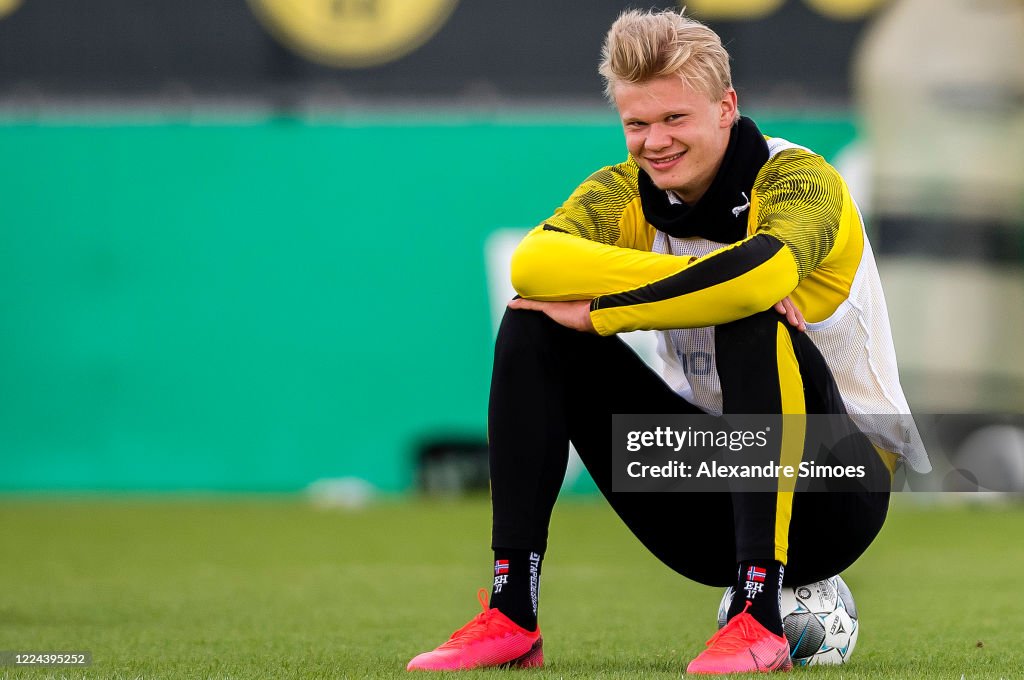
column 675, row 133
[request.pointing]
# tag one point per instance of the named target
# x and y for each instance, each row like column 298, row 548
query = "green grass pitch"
column 273, row 588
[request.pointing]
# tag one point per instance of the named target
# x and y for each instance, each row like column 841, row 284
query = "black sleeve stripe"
column 715, row 270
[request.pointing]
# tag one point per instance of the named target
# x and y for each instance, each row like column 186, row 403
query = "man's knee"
column 526, row 333
column 522, row 326
column 741, row 338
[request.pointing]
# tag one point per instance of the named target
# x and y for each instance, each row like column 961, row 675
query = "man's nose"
column 657, row 137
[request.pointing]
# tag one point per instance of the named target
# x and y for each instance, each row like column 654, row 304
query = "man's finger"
column 795, row 316
column 792, row 313
column 523, row 303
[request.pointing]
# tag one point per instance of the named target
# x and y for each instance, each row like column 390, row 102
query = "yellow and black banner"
column 404, row 49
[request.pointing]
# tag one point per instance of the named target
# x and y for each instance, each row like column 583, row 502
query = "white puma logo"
column 740, row 208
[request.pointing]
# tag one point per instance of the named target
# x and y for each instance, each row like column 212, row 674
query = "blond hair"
column 644, row 45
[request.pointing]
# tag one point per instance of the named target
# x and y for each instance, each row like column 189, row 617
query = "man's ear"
column 728, row 108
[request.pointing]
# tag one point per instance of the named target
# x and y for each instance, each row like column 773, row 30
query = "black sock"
column 517, row 585
column 759, row 582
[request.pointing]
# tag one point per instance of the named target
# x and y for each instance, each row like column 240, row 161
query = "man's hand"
column 793, row 315
column 574, row 314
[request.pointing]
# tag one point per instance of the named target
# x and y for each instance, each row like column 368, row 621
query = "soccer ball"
column 819, row 619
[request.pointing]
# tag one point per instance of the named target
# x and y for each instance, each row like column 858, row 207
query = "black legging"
column 551, row 385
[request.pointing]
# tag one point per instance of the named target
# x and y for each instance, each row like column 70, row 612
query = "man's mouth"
column 663, row 162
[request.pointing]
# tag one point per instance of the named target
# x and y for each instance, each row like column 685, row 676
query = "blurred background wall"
column 242, row 243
